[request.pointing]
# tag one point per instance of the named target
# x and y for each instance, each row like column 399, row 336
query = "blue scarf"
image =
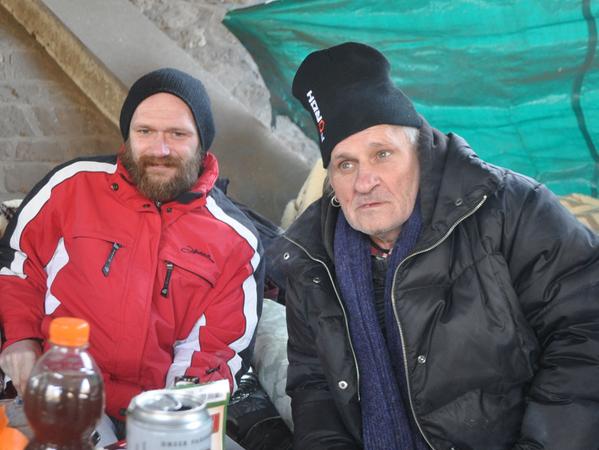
column 386, row 422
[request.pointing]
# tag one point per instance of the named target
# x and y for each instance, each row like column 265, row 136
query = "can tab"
column 169, row 403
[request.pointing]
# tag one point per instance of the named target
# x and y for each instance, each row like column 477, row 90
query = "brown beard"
column 185, row 177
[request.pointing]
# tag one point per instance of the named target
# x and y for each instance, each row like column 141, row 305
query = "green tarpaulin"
column 518, row 79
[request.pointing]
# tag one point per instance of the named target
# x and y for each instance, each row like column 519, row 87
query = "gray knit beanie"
column 172, row 81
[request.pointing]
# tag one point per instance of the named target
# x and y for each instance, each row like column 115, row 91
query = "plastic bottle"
column 64, row 398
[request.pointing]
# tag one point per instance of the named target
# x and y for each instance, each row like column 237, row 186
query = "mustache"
column 165, row 161
column 369, row 198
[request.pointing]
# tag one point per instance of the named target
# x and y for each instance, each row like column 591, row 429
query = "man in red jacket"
column 142, row 245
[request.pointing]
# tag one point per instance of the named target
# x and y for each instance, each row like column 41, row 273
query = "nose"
column 366, row 179
column 160, row 147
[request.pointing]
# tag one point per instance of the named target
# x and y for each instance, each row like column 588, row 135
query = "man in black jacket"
column 433, row 300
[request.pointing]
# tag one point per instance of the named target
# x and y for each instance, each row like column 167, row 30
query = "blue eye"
column 383, row 154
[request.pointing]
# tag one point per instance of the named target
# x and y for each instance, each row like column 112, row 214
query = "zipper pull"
column 167, row 279
column 106, row 268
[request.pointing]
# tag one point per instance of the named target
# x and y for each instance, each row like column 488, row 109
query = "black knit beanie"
column 348, row 88
column 184, row 86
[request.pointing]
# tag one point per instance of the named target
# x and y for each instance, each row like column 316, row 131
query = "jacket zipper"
column 351, row 345
column 106, row 267
column 394, row 301
column 167, row 279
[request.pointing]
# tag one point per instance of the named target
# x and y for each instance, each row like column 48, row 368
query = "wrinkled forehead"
column 372, row 139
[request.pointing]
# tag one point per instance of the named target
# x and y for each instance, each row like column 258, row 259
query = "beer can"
column 168, row 419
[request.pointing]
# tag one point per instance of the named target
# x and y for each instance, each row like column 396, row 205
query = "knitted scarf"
column 386, row 422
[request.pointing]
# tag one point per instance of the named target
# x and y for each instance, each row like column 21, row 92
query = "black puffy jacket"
column 497, row 307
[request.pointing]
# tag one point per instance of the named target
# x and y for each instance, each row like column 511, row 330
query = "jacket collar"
column 453, row 181
column 307, row 231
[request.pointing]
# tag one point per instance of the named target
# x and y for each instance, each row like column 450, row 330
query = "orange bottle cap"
column 69, row 331
column 10, row 438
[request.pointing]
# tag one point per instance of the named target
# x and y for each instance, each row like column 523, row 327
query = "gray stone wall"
column 44, row 118
column 196, row 26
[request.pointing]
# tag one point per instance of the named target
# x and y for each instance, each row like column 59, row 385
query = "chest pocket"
column 101, row 252
column 187, row 271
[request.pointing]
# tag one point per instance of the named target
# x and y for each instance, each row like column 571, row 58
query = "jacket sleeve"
column 554, row 265
column 316, row 421
column 221, row 341
column 31, row 240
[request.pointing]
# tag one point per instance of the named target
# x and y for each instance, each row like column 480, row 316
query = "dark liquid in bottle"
column 63, row 409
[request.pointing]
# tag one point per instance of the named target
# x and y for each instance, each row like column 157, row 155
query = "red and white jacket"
column 168, row 291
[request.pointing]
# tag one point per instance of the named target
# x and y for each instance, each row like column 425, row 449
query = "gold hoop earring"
column 334, row 202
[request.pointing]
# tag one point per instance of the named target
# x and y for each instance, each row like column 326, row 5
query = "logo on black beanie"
column 320, row 123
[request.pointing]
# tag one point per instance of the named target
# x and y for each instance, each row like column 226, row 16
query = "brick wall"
column 44, row 118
